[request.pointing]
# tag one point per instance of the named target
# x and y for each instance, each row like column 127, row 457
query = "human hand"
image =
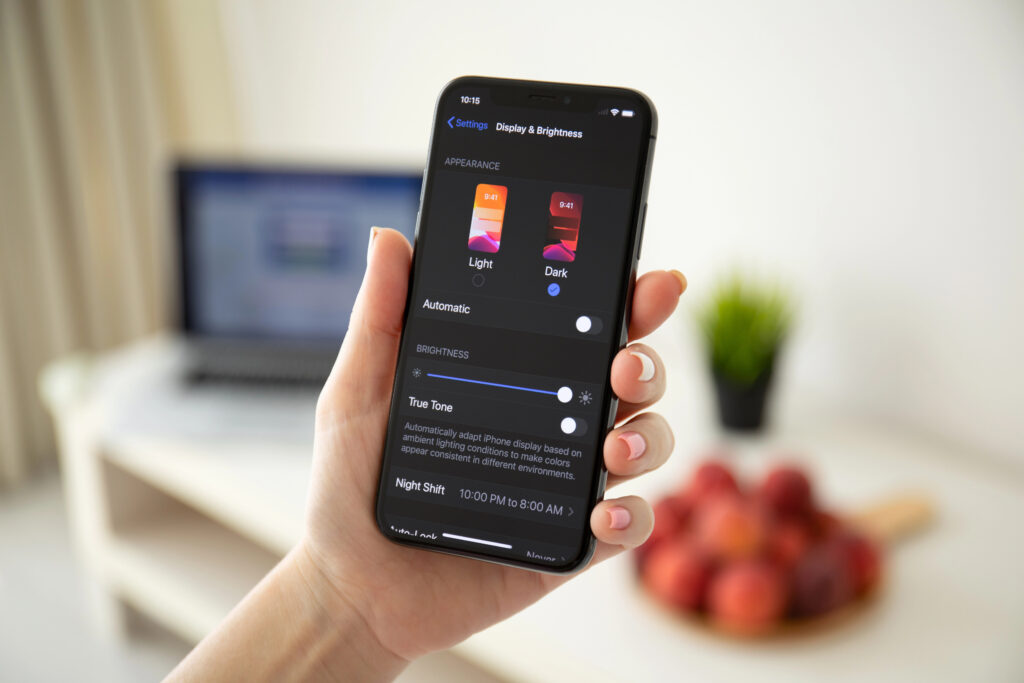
column 415, row 602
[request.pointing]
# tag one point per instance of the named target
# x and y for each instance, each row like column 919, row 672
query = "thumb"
column 361, row 379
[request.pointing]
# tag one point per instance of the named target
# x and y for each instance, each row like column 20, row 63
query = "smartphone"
column 527, row 240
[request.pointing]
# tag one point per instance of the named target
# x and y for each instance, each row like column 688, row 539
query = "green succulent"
column 744, row 324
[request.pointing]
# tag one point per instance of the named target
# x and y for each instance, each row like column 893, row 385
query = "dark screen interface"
column 523, row 251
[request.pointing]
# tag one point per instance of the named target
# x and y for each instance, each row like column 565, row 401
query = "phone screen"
column 525, row 256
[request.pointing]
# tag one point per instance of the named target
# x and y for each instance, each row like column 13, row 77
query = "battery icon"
column 627, row 113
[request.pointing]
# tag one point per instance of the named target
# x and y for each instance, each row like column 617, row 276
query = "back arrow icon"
column 450, row 122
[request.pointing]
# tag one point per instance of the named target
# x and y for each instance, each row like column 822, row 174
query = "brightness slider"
column 564, row 394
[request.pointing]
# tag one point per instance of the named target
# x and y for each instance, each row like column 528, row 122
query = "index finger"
column 654, row 299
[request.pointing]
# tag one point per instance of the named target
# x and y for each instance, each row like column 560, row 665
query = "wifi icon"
column 615, row 112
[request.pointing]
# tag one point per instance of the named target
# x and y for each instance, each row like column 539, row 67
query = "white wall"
column 871, row 153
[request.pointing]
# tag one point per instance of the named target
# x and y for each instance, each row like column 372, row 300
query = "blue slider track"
column 492, row 384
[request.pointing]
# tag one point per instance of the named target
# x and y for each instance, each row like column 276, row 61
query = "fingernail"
column 619, row 518
column 682, row 280
column 373, row 236
column 635, row 443
column 646, row 365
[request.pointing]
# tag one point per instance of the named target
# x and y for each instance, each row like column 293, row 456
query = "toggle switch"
column 588, row 324
column 573, row 426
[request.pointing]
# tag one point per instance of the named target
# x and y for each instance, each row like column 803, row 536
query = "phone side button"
column 643, row 224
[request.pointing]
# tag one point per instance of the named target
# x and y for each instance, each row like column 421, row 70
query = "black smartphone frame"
column 549, row 96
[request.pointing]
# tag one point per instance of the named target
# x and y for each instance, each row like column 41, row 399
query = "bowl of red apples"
column 751, row 560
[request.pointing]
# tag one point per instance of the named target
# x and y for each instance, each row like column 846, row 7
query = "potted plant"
column 744, row 324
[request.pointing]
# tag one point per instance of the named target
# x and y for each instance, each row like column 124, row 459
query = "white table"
column 179, row 506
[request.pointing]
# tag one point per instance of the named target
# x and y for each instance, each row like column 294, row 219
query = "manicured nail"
column 682, row 280
column 646, row 365
column 635, row 443
column 373, row 236
column 619, row 518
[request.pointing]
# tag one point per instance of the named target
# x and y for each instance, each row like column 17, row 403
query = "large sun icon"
column 585, row 398
column 416, row 372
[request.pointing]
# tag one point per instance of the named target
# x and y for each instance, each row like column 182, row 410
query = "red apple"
column 825, row 525
column 787, row 491
column 729, row 527
column 748, row 597
column 683, row 504
column 863, row 560
column 709, row 480
column 788, row 542
column 677, row 573
column 822, row 580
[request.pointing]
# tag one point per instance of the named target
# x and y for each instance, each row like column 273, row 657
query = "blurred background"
column 866, row 156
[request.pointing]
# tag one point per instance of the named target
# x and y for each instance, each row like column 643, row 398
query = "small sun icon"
column 585, row 398
column 416, row 372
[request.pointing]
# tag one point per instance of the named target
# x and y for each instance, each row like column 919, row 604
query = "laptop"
column 270, row 261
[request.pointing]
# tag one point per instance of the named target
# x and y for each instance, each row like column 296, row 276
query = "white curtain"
column 96, row 96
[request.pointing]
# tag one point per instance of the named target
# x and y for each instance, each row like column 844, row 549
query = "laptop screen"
column 278, row 254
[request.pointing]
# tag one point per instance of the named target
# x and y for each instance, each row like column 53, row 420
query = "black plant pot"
column 741, row 406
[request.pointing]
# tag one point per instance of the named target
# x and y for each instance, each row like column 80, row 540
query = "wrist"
column 348, row 641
